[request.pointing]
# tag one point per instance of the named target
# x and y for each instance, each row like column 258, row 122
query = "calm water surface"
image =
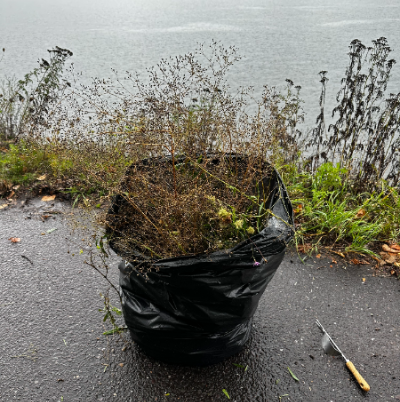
column 278, row 39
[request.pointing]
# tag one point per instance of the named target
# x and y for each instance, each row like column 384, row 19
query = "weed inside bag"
column 190, row 207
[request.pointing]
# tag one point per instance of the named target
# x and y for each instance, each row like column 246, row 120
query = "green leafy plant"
column 109, row 315
column 365, row 135
column 293, row 376
column 26, row 103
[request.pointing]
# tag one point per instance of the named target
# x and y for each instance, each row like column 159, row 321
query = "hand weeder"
column 331, row 348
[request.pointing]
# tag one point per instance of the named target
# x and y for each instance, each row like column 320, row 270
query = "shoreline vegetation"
column 60, row 137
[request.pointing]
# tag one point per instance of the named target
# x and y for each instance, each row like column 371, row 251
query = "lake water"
column 278, row 39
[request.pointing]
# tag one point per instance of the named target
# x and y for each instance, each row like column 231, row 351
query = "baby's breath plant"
column 189, row 156
column 198, row 181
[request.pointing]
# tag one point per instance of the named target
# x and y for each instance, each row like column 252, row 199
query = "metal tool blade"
column 328, row 347
column 328, row 344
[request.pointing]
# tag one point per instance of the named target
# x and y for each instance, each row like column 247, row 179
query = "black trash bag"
column 199, row 310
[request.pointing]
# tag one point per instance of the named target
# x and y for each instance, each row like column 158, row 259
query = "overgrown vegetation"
column 342, row 181
column 24, row 103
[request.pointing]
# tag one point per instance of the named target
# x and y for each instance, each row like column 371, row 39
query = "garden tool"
column 331, row 348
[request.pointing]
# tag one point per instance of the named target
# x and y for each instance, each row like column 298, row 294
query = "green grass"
column 83, row 173
column 329, row 212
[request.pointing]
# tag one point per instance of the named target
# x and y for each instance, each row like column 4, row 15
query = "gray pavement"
column 52, row 347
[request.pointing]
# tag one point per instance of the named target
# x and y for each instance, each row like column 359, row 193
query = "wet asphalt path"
column 52, row 347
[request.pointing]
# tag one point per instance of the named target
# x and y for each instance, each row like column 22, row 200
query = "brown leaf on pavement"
column 338, row 253
column 304, row 248
column 389, row 258
column 385, row 247
column 355, row 261
column 379, row 261
column 11, row 195
column 14, row 239
column 48, row 197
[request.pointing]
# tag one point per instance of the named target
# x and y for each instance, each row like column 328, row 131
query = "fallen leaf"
column 14, row 239
column 11, row 195
column 379, row 261
column 389, row 258
column 397, row 264
column 291, row 373
column 121, row 364
column 334, row 262
column 48, row 197
column 304, row 248
column 318, row 255
column 226, row 393
column 394, row 247
column 393, row 272
column 43, row 177
column 361, row 213
column 51, row 230
column 363, row 279
column 3, row 206
column 385, row 247
column 16, row 187
column 44, row 217
column 355, row 261
column 341, row 254
column 238, row 365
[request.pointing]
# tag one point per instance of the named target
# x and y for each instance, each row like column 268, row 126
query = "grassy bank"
column 342, row 181
column 329, row 213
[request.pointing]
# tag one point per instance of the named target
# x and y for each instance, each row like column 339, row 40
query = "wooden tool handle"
column 363, row 384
